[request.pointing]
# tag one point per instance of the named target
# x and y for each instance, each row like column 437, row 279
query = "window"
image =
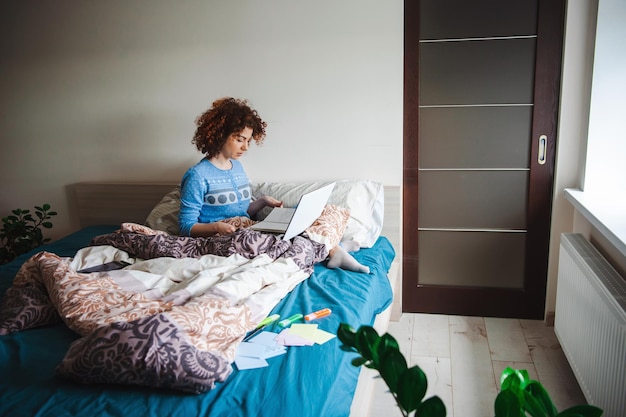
column 603, row 200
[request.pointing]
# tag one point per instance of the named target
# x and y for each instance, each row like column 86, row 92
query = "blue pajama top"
column 209, row 194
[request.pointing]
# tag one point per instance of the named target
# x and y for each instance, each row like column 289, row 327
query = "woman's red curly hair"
column 226, row 116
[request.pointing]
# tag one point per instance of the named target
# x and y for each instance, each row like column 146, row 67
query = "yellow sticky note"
column 304, row 330
column 322, row 336
column 310, row 332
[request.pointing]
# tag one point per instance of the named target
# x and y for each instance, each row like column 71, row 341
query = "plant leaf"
column 523, row 375
column 389, row 341
column 385, row 344
column 411, row 388
column 392, row 365
column 432, row 407
column 508, row 404
column 345, row 334
column 506, row 373
column 365, row 340
column 514, row 376
column 512, row 382
column 539, row 393
column 358, row 361
column 533, row 406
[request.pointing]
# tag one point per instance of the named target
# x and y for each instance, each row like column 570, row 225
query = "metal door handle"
column 543, row 148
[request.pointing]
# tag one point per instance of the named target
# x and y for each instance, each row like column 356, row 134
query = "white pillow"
column 364, row 198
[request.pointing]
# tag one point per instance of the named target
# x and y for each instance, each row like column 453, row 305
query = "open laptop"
column 293, row 221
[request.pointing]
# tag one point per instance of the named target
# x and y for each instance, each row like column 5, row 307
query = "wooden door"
column 482, row 83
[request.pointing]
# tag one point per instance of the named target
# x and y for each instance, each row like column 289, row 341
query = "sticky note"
column 246, row 362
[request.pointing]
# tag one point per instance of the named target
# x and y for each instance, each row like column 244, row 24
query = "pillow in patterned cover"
column 329, row 226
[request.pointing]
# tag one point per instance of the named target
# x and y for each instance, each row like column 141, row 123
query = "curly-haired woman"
column 217, row 187
column 215, row 193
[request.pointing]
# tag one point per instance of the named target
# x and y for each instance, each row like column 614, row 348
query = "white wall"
column 110, row 90
column 577, row 70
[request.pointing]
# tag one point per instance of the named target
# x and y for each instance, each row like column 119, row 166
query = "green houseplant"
column 382, row 353
column 21, row 231
column 519, row 396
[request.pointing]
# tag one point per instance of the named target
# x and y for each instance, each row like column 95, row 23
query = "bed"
column 315, row 380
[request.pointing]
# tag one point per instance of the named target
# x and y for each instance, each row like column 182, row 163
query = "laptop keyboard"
column 280, row 215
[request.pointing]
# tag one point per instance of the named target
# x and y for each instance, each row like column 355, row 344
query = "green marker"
column 288, row 321
column 268, row 320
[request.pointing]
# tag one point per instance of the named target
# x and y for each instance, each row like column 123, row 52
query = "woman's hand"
column 211, row 229
column 261, row 202
column 222, row 228
column 271, row 201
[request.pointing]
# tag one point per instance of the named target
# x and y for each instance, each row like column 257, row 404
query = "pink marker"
column 318, row 314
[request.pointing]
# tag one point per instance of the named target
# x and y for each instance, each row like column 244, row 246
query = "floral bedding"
column 171, row 319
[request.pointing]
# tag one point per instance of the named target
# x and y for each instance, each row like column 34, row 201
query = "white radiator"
column 590, row 323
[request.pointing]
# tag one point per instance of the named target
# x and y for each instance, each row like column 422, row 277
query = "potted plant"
column 21, row 231
column 519, row 396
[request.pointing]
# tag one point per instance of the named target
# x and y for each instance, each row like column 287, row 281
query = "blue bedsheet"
column 307, row 381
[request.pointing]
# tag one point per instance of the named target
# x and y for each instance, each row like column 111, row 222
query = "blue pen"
column 288, row 321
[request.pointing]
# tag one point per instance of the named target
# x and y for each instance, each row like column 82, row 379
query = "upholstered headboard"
column 117, row 202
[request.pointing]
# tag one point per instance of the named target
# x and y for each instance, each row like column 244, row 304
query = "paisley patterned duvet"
column 173, row 318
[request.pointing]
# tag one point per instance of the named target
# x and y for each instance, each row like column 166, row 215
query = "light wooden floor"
column 463, row 358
